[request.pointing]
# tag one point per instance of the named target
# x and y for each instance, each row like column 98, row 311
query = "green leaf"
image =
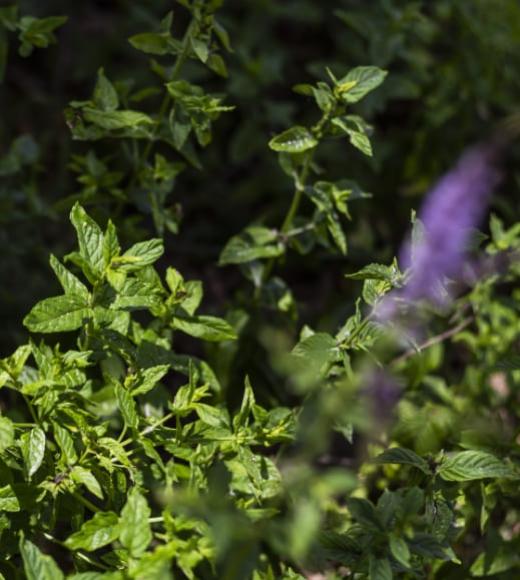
column 357, row 130
column 38, row 32
column 8, row 500
column 471, row 465
column 112, row 120
column 111, row 247
column 86, row 477
column 248, row 401
column 149, row 378
column 295, row 140
column 33, row 450
column 404, row 457
column 379, row 569
column 358, row 82
column 216, row 63
column 105, row 95
column 6, row 433
column 377, row 272
column 400, row 550
column 496, row 561
column 58, row 314
column 336, row 232
column 253, row 243
column 127, row 407
column 316, row 351
column 9, row 17
column 428, row 546
column 158, row 43
column 101, row 530
column 200, row 48
column 212, row 415
column 69, row 282
column 364, row 513
column 135, row 534
column 140, row 255
column 66, row 443
column 90, row 240
column 208, row 328
column 157, row 565
column 98, row 576
column 38, row 566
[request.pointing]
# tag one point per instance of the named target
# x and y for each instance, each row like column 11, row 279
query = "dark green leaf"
column 405, row 457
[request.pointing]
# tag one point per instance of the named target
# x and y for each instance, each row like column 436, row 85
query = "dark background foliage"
column 452, row 77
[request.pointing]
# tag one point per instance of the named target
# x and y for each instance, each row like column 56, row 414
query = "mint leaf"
column 404, row 457
column 135, row 532
column 294, row 140
column 58, row 314
column 101, row 530
column 471, row 465
column 37, row 565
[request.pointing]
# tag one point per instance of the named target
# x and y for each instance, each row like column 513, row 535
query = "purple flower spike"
column 455, row 206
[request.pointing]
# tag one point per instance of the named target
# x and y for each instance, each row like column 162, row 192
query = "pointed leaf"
column 136, row 533
column 58, row 314
column 471, row 465
column 33, row 450
column 37, row 565
column 208, row 328
column 101, row 530
column 90, row 239
column 69, row 282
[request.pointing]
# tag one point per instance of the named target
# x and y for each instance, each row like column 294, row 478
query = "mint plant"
column 271, row 418
column 183, row 120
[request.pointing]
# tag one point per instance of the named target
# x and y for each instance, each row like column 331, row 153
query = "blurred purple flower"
column 382, row 392
column 455, row 206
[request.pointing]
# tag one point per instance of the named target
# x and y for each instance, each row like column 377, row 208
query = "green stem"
column 299, row 187
column 300, row 182
column 151, row 428
column 88, row 504
column 31, row 409
column 181, row 59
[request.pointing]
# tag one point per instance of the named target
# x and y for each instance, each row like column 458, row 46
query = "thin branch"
column 434, row 340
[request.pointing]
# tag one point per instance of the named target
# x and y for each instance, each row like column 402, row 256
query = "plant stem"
column 181, row 59
column 88, row 504
column 434, row 340
column 300, row 182
column 299, row 187
column 31, row 410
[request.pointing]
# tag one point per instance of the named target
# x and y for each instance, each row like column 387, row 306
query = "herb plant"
column 310, row 405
